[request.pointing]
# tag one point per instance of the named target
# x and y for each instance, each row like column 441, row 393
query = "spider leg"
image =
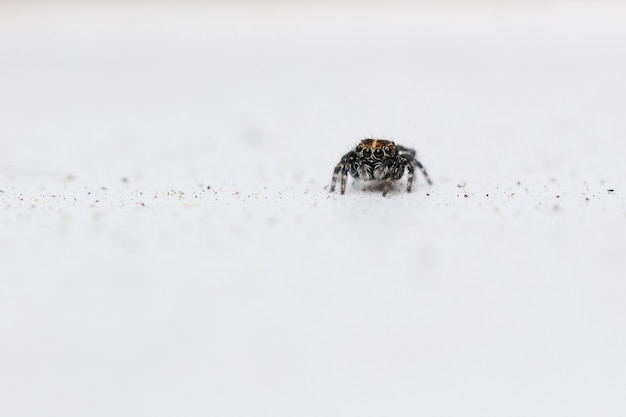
column 411, row 172
column 395, row 173
column 344, row 177
column 421, row 167
column 413, row 161
column 343, row 166
column 338, row 168
column 386, row 187
column 410, row 151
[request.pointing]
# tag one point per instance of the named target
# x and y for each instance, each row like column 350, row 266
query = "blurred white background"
column 168, row 246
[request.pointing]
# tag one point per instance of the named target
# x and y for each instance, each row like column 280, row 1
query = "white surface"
column 129, row 288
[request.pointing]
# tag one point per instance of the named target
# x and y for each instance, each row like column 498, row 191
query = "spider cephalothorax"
column 379, row 160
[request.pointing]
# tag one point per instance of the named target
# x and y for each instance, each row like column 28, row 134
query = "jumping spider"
column 380, row 160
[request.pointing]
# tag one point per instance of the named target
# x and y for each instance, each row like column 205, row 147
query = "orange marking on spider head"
column 376, row 143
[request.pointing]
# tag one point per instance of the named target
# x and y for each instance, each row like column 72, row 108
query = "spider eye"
column 378, row 153
column 367, row 152
column 358, row 149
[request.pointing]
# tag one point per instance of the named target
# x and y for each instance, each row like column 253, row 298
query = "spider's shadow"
column 359, row 186
column 375, row 186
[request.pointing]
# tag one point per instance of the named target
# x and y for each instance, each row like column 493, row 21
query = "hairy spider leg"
column 410, row 151
column 335, row 175
column 411, row 172
column 421, row 167
column 343, row 166
column 417, row 163
column 344, row 174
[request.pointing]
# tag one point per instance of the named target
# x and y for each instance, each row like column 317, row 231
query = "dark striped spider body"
column 378, row 160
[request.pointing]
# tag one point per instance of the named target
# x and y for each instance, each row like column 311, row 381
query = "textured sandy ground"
column 168, row 244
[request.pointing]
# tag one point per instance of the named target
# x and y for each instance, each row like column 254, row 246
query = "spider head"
column 375, row 150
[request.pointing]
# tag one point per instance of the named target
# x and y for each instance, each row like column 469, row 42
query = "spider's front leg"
column 343, row 166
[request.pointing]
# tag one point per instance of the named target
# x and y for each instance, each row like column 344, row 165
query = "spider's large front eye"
column 378, row 153
column 358, row 149
column 367, row 152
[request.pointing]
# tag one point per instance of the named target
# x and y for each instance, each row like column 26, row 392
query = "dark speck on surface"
column 124, row 179
column 610, row 190
column 208, row 187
